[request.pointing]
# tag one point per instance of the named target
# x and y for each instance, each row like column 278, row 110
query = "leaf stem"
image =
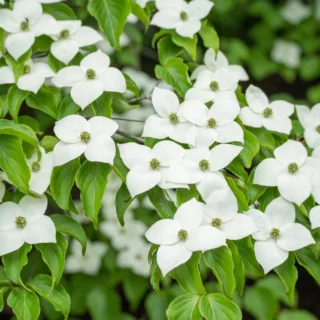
column 130, row 136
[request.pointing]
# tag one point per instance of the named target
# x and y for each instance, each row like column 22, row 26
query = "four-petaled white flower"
column 90, row 79
column 201, row 166
column 148, row 166
column 295, row 11
column 277, row 233
column 182, row 16
column 91, row 137
column 70, row 36
column 221, row 212
column 213, row 62
column 273, row 116
column 217, row 123
column 292, row 171
column 314, row 217
column 310, row 120
column 316, row 178
column 209, row 84
column 169, row 120
column 25, row 223
column 180, row 237
column 25, row 22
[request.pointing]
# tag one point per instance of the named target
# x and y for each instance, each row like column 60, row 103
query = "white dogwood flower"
column 213, row 62
column 202, row 167
column 287, row 53
column 182, row 16
column 273, row 116
column 221, row 212
column 209, row 84
column 314, row 217
column 6, row 75
column 147, row 166
column 91, row 137
column 295, row 11
column 291, row 171
column 217, row 123
column 169, row 120
column 25, row 223
column 316, row 178
column 90, row 79
column 310, row 120
column 24, row 23
column 70, row 36
column 277, row 233
column 182, row 235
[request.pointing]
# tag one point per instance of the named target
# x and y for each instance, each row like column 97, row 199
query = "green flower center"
column 64, row 34
column 35, row 166
column 267, row 112
column 183, row 15
column 85, row 136
column 275, row 233
column 293, row 167
column 214, row 86
column 154, row 164
column 204, row 165
column 26, row 69
column 21, row 222
column 216, row 222
column 318, row 128
column 91, row 74
column 212, row 123
column 183, row 234
column 24, row 26
column 173, row 118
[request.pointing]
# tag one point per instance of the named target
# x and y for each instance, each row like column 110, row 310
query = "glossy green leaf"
column 241, row 199
column 185, row 307
column 60, row 11
column 67, row 107
column 164, row 207
column 17, row 65
column 255, row 191
column 123, row 201
column 296, row 315
column 209, row 36
column 238, row 270
column 190, row 45
column 131, row 85
column 140, row 14
column 48, row 143
column 155, row 274
column 265, row 137
column 2, row 292
column 183, row 195
column 250, row 149
column 15, row 99
column 167, row 49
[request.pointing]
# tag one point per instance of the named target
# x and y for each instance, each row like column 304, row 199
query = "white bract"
column 314, row 217
column 70, row 36
column 169, row 120
column 286, row 53
column 182, row 16
column 316, row 178
column 310, row 120
column 295, row 11
column 277, row 233
column 91, row 137
column 213, row 62
column 41, row 169
column 24, row 23
column 201, row 166
column 209, row 84
column 105, row 46
column 90, row 263
column 221, row 212
column 217, row 123
column 292, row 171
column 25, row 223
column 147, row 166
column 182, row 235
column 260, row 112
column 90, row 79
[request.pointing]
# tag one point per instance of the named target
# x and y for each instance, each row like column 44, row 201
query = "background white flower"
column 295, row 11
column 314, row 217
column 6, row 75
column 286, row 53
column 105, row 46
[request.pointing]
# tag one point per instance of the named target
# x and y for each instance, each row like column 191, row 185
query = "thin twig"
column 130, row 136
column 135, row 101
column 130, row 120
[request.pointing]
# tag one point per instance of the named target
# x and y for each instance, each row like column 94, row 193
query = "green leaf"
column 164, row 207
column 131, row 85
column 135, row 288
column 120, row 103
column 18, row 65
column 265, row 137
column 236, row 167
column 250, row 149
column 2, row 292
column 123, row 201
column 221, row 263
column 239, row 270
column 255, row 191
column 59, row 11
column 190, row 45
column 241, row 199
column 71, row 227
column 57, row 295
column 62, row 180
column 215, row 306
column 209, row 36
column 111, row 16
column 25, row 304
column 67, row 107
column 48, row 143
column 155, row 274
column 140, row 14
column 188, row 275
column 175, row 73
column 156, row 307
column 53, row 254
column 13, row 162
column 185, row 307
column 296, row 315
column 15, row 98
column 119, row 167
column 167, row 49
column 30, row 122
column 103, row 105
column 14, row 262
column 184, row 195
column 4, row 279
column 92, row 179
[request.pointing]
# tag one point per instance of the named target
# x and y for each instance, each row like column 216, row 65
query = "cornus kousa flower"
column 91, row 137
column 70, row 36
column 91, row 79
column 316, row 178
column 181, row 16
column 25, row 22
column 314, row 217
column 213, row 62
column 201, row 166
column 25, row 223
column 217, row 123
column 277, row 233
column 209, row 84
column 169, row 120
column 148, row 166
column 310, row 120
column 182, row 235
column 292, row 171
column 273, row 116
column 221, row 212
